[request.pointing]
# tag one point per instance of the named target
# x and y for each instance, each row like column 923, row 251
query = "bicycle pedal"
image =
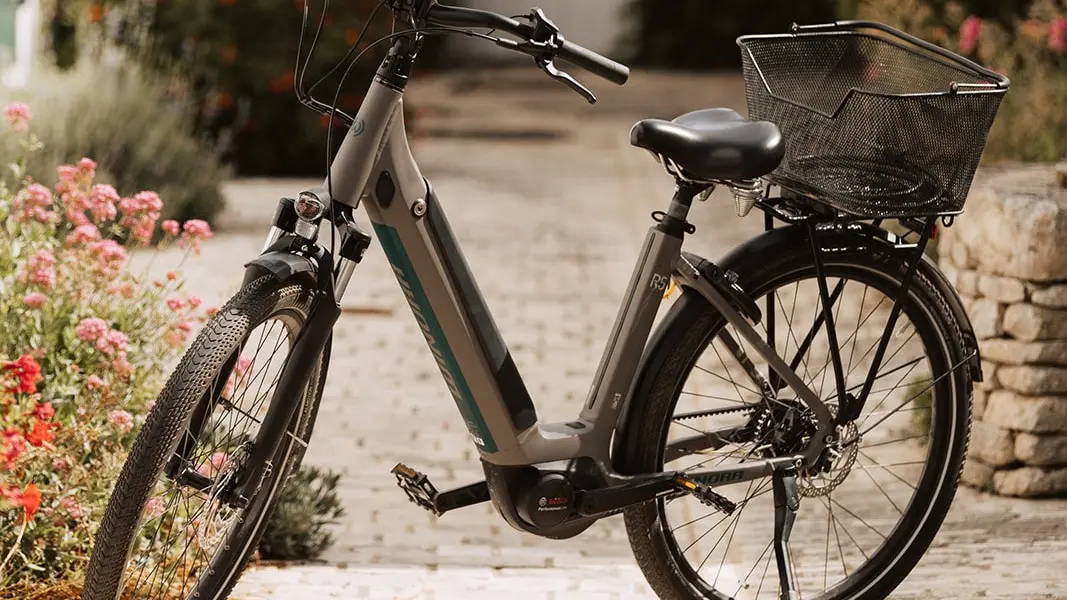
column 706, row 495
column 417, row 486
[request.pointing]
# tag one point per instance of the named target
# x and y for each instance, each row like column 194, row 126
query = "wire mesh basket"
column 877, row 123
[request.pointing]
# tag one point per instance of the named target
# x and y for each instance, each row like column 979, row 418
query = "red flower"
column 44, row 412
column 29, row 499
column 41, row 433
column 969, row 32
column 27, row 373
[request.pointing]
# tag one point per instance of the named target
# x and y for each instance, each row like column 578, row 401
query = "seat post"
column 674, row 221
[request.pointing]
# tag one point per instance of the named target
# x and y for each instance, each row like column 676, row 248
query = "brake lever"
column 565, row 78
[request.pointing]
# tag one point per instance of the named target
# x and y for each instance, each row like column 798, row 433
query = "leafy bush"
column 298, row 528
column 133, row 124
column 1031, row 124
column 697, row 34
column 83, row 346
column 240, row 57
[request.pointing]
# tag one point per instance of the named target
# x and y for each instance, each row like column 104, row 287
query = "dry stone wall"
column 1007, row 256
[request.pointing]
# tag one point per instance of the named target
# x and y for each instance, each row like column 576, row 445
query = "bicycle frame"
column 374, row 168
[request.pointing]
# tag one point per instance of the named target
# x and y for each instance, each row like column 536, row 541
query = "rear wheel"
column 169, row 530
column 863, row 524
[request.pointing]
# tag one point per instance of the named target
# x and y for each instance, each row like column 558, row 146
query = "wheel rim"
column 186, row 526
column 839, row 528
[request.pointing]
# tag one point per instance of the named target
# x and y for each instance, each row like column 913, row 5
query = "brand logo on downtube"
column 724, row 477
column 435, row 339
column 357, row 128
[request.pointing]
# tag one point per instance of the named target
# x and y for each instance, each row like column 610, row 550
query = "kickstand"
column 786, row 503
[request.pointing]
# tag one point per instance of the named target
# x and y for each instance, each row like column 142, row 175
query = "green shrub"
column 697, row 34
column 1031, row 124
column 138, row 134
column 84, row 344
column 240, row 57
column 298, row 528
column 135, row 128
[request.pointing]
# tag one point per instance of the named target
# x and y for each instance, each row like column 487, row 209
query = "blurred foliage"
column 697, row 34
column 133, row 124
column 299, row 527
column 239, row 58
column 1032, row 123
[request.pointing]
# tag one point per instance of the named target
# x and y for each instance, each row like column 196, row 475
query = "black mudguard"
column 280, row 261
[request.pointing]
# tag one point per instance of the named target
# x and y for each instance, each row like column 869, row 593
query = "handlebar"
column 455, row 16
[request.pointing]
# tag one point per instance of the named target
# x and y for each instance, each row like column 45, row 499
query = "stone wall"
column 1007, row 256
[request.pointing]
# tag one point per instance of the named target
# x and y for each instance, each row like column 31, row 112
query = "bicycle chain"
column 713, row 413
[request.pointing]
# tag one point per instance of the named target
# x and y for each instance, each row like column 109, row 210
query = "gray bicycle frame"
column 374, row 167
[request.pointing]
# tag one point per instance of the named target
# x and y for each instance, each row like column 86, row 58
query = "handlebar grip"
column 458, row 16
column 595, row 63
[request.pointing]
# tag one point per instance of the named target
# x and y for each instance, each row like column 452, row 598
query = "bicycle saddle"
column 716, row 143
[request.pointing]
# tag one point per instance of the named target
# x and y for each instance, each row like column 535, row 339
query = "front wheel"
column 866, row 519
column 169, row 530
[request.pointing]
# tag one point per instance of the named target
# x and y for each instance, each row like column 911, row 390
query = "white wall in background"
column 27, row 34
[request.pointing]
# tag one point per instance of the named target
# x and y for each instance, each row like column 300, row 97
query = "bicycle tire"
column 691, row 325
column 200, row 367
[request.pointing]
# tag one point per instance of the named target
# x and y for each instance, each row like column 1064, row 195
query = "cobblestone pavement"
column 551, row 225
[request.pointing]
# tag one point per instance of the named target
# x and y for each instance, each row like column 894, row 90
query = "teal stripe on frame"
column 435, row 336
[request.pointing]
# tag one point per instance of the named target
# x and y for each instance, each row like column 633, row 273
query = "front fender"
column 280, row 261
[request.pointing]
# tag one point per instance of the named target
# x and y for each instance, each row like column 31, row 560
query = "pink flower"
column 122, row 420
column 33, row 202
column 91, row 329
column 155, row 507
column 110, row 255
column 87, row 167
column 125, row 289
column 34, row 300
column 171, row 227
column 72, row 507
column 67, row 173
column 102, row 201
column 149, row 201
column 113, row 342
column 175, row 304
column 95, row 383
column 43, row 277
column 185, row 327
column 195, row 231
column 1057, row 35
column 197, row 228
column 214, row 464
column 122, row 366
column 194, row 301
column 83, row 234
column 969, row 32
column 42, row 259
column 18, row 116
column 211, row 311
column 242, row 365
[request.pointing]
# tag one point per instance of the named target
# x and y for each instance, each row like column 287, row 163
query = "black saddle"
column 716, row 143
